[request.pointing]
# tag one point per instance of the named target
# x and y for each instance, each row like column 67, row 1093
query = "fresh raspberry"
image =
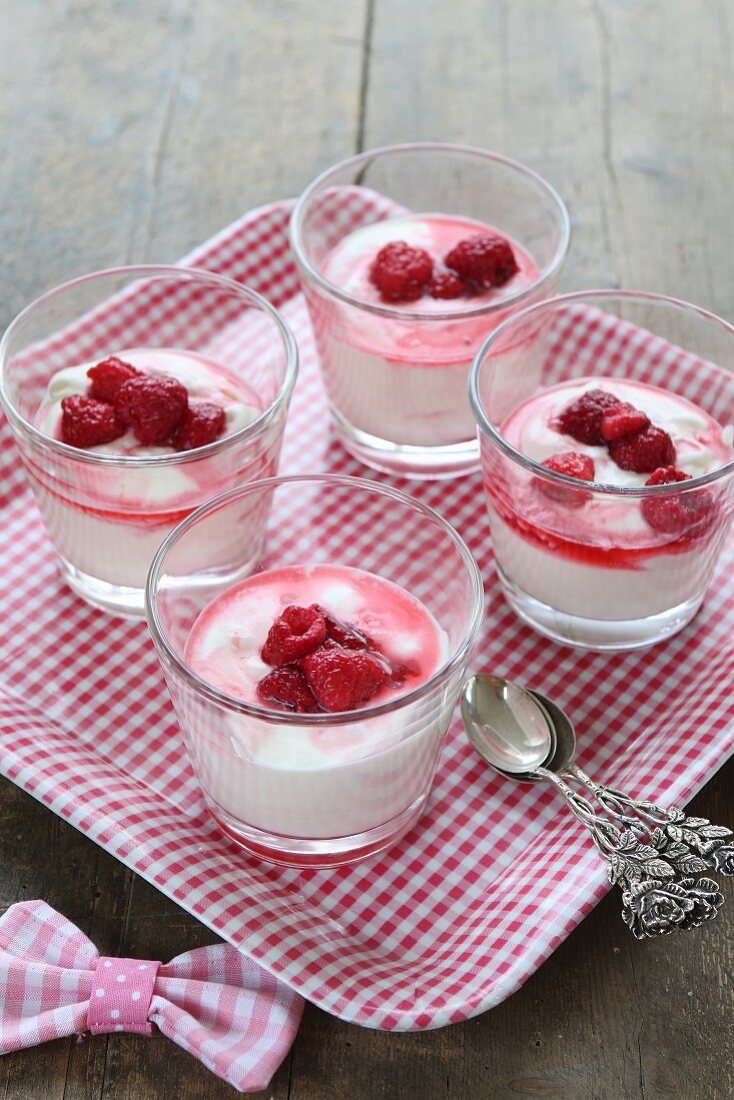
column 643, row 451
column 344, row 679
column 341, row 633
column 288, row 686
column 297, row 632
column 108, row 376
column 446, row 285
column 667, row 475
column 401, row 272
column 87, row 423
column 622, row 419
column 485, row 261
column 153, row 406
column 684, row 513
column 582, row 418
column 202, row 423
column 572, row 464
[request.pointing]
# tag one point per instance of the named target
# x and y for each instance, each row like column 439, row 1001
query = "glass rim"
column 536, row 468
column 251, row 297
column 172, row 660
column 295, row 231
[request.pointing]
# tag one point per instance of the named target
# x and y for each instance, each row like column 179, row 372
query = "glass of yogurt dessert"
column 605, row 421
column 134, row 395
column 315, row 678
column 409, row 256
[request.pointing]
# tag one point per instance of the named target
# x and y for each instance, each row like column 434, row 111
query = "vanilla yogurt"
column 107, row 518
column 304, row 778
column 403, row 377
column 600, row 560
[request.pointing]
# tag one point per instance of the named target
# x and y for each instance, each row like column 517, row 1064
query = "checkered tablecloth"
column 495, row 875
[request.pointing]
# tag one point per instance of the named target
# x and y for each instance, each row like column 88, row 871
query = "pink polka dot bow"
column 214, row 1002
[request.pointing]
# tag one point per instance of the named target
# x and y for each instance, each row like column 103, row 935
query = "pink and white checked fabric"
column 214, row 1002
column 495, row 875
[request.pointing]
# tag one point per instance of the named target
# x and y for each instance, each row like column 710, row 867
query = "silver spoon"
column 654, row 903
column 507, row 725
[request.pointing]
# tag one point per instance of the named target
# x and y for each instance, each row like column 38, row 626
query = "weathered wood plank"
column 134, row 129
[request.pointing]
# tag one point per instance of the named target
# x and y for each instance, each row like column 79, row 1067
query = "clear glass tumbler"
column 396, row 376
column 107, row 514
column 256, row 765
column 606, row 567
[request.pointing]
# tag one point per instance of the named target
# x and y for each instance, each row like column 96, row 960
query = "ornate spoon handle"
column 690, row 844
column 652, row 903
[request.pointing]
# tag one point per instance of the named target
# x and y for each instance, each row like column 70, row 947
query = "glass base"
column 286, row 851
column 114, row 598
column 603, row 635
column 405, row 460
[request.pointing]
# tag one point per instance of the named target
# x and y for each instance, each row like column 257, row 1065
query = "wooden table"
column 131, row 130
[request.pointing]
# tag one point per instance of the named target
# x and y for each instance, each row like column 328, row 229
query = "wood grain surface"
column 132, row 129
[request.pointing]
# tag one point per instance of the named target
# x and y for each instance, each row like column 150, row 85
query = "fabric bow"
column 214, row 1002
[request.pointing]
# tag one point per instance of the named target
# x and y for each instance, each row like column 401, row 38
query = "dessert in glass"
column 315, row 674
column 605, row 421
column 134, row 395
column 409, row 256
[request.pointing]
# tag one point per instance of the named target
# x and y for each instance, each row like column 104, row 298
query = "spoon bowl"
column 510, row 729
column 564, row 731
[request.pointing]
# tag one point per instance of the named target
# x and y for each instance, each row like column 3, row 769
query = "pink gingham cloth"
column 494, row 877
column 214, row 1002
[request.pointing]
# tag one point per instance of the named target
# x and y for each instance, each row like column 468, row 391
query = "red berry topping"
column 297, row 632
column 622, row 419
column 342, row 633
column 202, row 423
column 643, row 451
column 87, row 423
column 153, row 406
column 108, row 376
column 344, row 679
column 572, row 464
column 485, row 261
column 401, row 272
column 288, row 686
column 582, row 418
column 446, row 285
column 682, row 514
column 667, row 475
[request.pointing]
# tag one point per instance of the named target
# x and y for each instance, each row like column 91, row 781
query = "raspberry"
column 582, row 418
column 643, row 451
column 572, row 464
column 341, row 633
column 684, row 513
column 667, row 475
column 297, row 632
column 108, row 376
column 401, row 272
column 344, row 679
column 153, row 406
column 446, row 285
column 202, row 423
column 622, row 419
column 486, row 260
column 289, row 687
column 87, row 423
